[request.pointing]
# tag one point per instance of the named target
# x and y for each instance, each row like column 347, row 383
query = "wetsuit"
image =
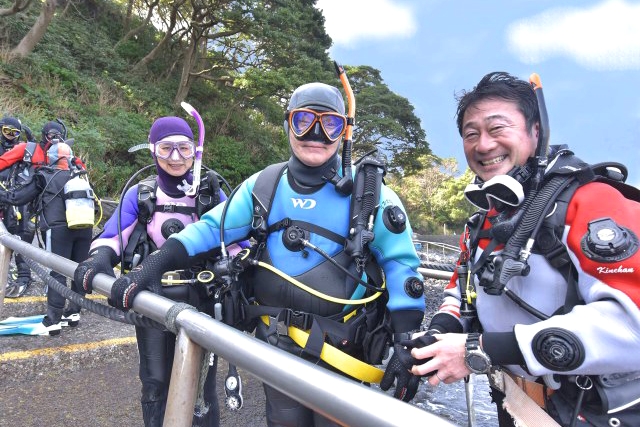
column 156, row 347
column 47, row 189
column 319, row 207
column 14, row 166
column 19, row 227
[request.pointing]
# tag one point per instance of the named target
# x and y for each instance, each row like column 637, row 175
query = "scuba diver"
column 15, row 218
column 324, row 239
column 22, row 161
column 148, row 213
column 554, row 248
column 57, row 220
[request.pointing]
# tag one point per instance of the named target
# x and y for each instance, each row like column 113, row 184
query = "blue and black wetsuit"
column 326, row 213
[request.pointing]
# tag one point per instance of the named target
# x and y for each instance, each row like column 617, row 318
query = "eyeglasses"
column 301, row 121
column 185, row 149
column 502, row 188
column 10, row 132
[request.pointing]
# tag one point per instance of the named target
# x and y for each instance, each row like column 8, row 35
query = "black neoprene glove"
column 422, row 341
column 399, row 367
column 399, row 371
column 147, row 275
column 101, row 260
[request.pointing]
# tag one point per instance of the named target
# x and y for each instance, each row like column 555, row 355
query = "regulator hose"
column 512, row 261
column 534, row 212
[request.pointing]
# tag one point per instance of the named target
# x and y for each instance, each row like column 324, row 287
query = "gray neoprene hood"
column 317, row 95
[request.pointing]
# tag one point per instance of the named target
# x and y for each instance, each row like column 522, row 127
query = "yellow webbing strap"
column 336, row 358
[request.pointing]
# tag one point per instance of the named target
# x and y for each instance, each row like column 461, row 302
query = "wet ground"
column 86, row 376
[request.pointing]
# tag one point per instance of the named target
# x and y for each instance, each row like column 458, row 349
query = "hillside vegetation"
column 107, row 71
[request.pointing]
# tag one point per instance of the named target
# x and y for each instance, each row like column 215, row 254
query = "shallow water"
column 449, row 402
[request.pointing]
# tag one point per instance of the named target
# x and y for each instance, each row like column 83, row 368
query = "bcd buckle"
column 298, row 319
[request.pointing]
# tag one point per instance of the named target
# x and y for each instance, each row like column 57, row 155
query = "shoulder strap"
column 208, row 193
column 28, row 152
column 138, row 242
column 147, row 199
column 262, row 194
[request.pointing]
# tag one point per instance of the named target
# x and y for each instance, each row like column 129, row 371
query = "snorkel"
column 190, row 190
column 541, row 159
column 344, row 185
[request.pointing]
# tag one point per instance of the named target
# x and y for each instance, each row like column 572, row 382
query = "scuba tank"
column 77, row 193
column 79, row 202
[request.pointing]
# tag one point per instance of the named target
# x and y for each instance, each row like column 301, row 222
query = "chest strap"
column 287, row 222
column 173, row 208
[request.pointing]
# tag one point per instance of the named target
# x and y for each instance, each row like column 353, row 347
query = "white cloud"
column 351, row 21
column 605, row 36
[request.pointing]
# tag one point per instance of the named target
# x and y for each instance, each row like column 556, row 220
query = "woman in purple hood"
column 148, row 214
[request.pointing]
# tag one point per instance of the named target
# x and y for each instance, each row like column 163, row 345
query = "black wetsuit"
column 46, row 189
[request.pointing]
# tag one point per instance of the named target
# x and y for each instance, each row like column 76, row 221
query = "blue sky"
column 587, row 53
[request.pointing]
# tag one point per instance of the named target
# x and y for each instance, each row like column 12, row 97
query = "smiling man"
column 545, row 297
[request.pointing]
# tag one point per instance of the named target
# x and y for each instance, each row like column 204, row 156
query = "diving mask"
column 501, row 188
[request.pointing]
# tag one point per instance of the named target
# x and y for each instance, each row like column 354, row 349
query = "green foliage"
column 81, row 71
column 434, row 197
column 387, row 121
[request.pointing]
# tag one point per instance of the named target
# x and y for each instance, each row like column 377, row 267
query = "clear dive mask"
column 501, row 188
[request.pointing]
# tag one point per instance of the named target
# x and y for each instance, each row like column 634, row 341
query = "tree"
column 17, row 7
column 387, row 121
column 433, row 196
column 173, row 11
column 449, row 204
column 37, row 31
column 129, row 33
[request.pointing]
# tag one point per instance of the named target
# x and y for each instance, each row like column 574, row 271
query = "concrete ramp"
column 87, row 375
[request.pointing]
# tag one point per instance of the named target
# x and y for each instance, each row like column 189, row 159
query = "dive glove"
column 101, row 260
column 398, row 371
column 422, row 341
column 147, row 275
column 399, row 367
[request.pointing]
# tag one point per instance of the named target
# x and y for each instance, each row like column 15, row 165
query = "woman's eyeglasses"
column 301, row 121
column 185, row 149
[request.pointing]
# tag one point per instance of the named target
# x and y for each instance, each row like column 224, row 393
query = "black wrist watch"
column 475, row 358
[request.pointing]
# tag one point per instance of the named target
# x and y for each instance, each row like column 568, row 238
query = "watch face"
column 477, row 363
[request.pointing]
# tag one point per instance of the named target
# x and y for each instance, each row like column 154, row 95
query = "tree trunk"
column 130, row 32
column 127, row 19
column 18, row 6
column 35, row 34
column 187, row 65
column 167, row 36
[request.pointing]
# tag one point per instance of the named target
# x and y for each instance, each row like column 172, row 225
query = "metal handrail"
column 443, row 246
column 334, row 396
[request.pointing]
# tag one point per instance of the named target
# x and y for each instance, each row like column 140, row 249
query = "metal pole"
column 435, row 274
column 5, row 258
column 183, row 388
column 334, row 396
